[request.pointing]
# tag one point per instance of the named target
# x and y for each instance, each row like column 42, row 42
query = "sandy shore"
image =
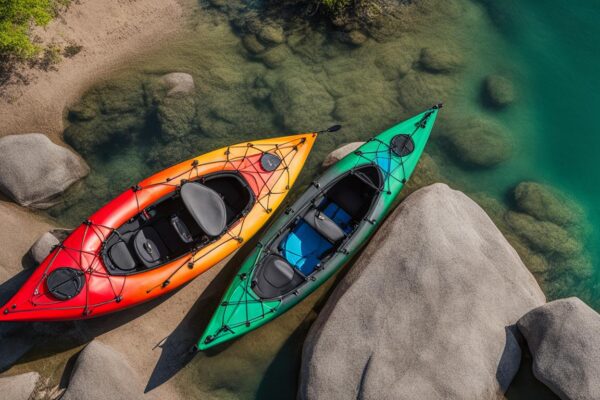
column 111, row 32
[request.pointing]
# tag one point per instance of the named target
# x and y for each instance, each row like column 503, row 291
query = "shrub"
column 16, row 19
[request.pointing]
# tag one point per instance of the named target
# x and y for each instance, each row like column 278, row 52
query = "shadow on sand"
column 178, row 348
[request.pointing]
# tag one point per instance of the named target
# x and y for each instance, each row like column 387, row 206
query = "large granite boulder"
column 33, row 170
column 102, row 373
column 427, row 311
column 564, row 342
column 19, row 387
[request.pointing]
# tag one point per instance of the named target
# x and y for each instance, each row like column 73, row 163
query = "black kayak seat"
column 206, row 207
column 121, row 257
column 324, row 225
column 275, row 277
column 149, row 247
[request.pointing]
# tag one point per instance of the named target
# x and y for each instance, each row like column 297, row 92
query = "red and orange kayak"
column 162, row 232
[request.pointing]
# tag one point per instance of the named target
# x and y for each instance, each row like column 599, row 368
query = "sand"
column 112, row 32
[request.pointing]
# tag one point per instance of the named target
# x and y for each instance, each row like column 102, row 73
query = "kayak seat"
column 121, row 257
column 275, row 277
column 327, row 227
column 149, row 247
column 206, row 207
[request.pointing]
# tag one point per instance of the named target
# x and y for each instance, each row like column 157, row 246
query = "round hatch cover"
column 402, row 145
column 65, row 283
column 269, row 162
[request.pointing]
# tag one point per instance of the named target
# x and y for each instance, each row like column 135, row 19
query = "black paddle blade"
column 333, row 128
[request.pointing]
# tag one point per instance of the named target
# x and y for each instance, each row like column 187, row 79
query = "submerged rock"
column 544, row 236
column 178, row 83
column 547, row 203
column 440, row 60
column 34, row 171
column 302, row 103
column 176, row 116
column 426, row 312
column 101, row 373
column 418, row 91
column 354, row 37
column 271, row 34
column 564, row 342
column 276, row 56
column 340, row 153
column 19, row 387
column 478, row 142
column 498, row 91
column 252, row 44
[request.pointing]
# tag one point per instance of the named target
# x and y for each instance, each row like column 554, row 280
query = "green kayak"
column 321, row 231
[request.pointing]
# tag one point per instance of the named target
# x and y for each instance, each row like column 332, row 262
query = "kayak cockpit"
column 189, row 218
column 306, row 244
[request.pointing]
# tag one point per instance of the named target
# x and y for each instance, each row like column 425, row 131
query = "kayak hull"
column 104, row 292
column 242, row 309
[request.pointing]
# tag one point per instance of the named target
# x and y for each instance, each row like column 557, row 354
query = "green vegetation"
column 16, row 20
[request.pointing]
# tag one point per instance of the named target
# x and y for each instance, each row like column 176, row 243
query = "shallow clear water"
column 547, row 51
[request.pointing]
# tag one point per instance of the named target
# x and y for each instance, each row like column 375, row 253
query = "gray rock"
column 498, row 91
column 19, row 387
column 271, row 34
column 34, row 171
column 178, row 83
column 101, row 373
column 440, row 60
column 564, row 342
column 427, row 311
column 340, row 153
column 46, row 242
column 42, row 247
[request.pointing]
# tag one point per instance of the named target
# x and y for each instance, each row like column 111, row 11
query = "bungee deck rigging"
column 162, row 232
column 324, row 228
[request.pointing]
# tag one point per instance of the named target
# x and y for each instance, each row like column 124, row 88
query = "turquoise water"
column 548, row 50
column 556, row 45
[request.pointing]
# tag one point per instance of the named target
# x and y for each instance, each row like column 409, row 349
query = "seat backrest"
column 324, row 225
column 206, row 207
